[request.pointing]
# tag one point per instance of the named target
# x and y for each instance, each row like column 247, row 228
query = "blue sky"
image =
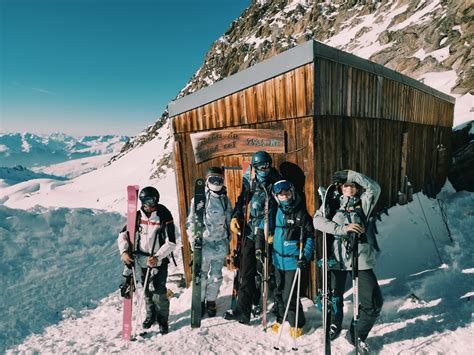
column 101, row 66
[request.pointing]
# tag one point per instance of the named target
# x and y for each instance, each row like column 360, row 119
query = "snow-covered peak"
column 30, row 150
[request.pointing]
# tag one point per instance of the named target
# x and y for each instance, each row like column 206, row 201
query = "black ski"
column 325, row 292
column 237, row 257
column 199, row 206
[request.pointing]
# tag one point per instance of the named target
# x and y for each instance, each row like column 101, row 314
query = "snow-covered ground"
column 62, row 270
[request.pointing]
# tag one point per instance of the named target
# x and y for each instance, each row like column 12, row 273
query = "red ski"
column 132, row 197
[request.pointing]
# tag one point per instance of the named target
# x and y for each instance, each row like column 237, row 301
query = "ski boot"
column 334, row 331
column 149, row 321
column 164, row 328
column 296, row 332
column 276, row 327
column 211, row 308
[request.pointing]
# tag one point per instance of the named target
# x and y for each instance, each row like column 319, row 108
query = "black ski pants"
column 284, row 281
column 370, row 299
column 247, row 292
column 156, row 298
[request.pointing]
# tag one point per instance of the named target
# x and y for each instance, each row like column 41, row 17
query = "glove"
column 234, row 225
column 302, row 263
column 236, row 258
column 270, row 239
column 340, row 177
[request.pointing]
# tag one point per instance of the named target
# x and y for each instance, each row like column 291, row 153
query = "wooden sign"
column 212, row 144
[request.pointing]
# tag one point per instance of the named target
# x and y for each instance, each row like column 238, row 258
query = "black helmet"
column 214, row 170
column 149, row 196
column 261, row 157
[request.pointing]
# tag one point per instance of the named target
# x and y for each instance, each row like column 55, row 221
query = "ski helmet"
column 261, row 157
column 215, row 178
column 149, row 196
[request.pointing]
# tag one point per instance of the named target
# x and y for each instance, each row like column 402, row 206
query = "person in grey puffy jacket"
column 216, row 235
column 350, row 209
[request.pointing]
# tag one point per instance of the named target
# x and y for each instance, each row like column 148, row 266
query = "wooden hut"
column 317, row 110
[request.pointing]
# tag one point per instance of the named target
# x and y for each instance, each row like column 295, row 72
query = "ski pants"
column 284, row 281
column 211, row 278
column 247, row 293
column 156, row 298
column 370, row 299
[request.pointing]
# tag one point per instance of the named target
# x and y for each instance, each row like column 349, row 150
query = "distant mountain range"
column 33, row 150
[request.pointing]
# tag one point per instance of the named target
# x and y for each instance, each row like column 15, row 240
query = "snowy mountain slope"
column 419, row 38
column 11, row 176
column 428, row 40
column 74, row 168
column 103, row 188
column 34, row 150
column 436, row 319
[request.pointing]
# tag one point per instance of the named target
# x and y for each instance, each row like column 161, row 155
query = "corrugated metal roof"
column 284, row 62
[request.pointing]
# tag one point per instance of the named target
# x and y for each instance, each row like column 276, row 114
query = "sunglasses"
column 216, row 180
column 263, row 166
column 348, row 185
column 281, row 185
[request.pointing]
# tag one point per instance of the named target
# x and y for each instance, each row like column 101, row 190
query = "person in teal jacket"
column 292, row 223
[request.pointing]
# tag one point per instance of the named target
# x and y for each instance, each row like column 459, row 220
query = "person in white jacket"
column 350, row 208
column 155, row 241
column 216, row 235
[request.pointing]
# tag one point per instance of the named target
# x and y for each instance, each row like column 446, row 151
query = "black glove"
column 236, row 258
column 302, row 263
column 340, row 177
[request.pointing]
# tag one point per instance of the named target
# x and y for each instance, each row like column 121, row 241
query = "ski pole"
column 295, row 348
column 287, row 307
column 355, row 284
column 265, row 265
column 297, row 279
column 140, row 302
column 355, row 288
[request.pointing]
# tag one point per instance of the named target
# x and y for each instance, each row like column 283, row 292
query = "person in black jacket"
column 256, row 188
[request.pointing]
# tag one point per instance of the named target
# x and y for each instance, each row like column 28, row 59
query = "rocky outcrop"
column 413, row 37
column 461, row 173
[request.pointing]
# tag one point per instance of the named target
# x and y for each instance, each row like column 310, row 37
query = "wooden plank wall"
column 288, row 95
column 284, row 102
column 360, row 123
column 374, row 147
column 350, row 92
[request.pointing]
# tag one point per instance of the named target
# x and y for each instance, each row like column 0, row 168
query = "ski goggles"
column 281, row 185
column 262, row 166
column 148, row 201
column 215, row 180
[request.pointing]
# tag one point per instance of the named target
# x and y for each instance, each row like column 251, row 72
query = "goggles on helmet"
column 281, row 185
column 215, row 180
column 148, row 201
column 262, row 166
